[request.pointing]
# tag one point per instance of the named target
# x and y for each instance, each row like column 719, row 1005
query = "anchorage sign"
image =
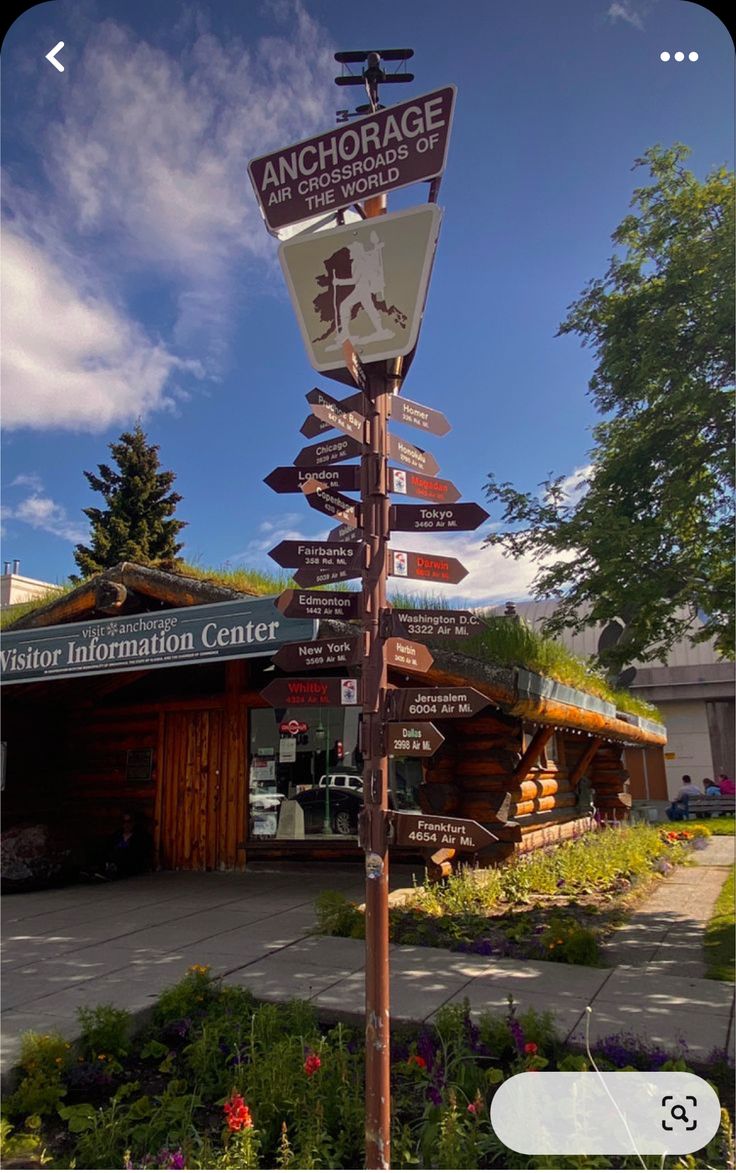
column 161, row 639
column 397, row 146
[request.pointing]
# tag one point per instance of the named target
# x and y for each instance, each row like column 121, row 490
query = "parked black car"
column 343, row 809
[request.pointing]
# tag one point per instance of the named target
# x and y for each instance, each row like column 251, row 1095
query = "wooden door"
column 190, row 833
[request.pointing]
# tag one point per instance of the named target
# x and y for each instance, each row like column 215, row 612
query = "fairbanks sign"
column 397, row 146
column 162, row 639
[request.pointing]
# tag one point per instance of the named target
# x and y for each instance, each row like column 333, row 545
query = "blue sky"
column 139, row 279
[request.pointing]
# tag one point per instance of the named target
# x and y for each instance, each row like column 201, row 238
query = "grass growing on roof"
column 239, row 578
column 19, row 610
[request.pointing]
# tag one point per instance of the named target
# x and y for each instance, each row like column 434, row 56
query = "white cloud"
column 71, row 359
column 41, row 512
column 575, row 486
column 624, row 10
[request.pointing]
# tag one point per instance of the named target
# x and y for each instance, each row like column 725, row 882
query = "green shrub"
column 568, row 942
column 338, row 917
column 45, row 1060
column 105, row 1031
column 189, row 998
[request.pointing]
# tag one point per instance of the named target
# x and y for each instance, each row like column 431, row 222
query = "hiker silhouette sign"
column 362, row 283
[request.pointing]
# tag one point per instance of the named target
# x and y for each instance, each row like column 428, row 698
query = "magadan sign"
column 185, row 635
column 392, row 148
column 365, row 284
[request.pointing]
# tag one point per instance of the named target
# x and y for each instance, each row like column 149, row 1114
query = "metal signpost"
column 358, row 291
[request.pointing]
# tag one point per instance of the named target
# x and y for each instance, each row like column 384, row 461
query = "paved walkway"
column 124, row 942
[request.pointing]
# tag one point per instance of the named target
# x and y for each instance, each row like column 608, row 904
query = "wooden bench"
column 725, row 805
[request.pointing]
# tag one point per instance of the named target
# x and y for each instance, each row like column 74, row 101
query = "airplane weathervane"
column 372, row 75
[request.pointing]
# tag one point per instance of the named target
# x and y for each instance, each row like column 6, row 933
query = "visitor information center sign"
column 392, row 148
column 162, row 639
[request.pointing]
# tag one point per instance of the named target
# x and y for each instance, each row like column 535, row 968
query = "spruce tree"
column 137, row 524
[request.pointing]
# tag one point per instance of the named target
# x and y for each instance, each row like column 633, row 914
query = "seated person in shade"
column 681, row 803
column 726, row 785
column 128, row 851
column 711, row 788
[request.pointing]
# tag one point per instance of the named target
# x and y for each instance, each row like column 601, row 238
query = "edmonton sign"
column 392, row 148
column 319, row 604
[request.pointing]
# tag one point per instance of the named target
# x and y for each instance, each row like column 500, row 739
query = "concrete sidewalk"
column 124, row 942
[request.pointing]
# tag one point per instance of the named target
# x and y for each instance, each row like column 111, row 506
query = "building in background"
column 16, row 588
column 693, row 690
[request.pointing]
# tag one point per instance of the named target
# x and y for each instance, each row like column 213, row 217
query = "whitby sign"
column 397, row 146
column 161, row 639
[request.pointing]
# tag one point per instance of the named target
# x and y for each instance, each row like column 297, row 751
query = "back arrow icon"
column 52, row 57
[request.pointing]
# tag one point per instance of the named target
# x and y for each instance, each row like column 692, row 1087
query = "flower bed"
column 218, row 1081
column 555, row 905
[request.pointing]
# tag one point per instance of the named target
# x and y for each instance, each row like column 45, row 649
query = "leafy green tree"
column 138, row 523
column 650, row 538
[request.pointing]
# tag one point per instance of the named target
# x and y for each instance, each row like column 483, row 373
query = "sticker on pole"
column 365, row 284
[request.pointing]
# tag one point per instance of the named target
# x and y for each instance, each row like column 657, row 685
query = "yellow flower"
column 58, row 1060
column 103, row 1056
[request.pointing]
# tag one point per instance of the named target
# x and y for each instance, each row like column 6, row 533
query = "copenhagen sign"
column 166, row 639
column 403, row 144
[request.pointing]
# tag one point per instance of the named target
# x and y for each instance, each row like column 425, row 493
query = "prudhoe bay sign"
column 163, row 639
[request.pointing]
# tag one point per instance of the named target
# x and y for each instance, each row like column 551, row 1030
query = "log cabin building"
column 141, row 689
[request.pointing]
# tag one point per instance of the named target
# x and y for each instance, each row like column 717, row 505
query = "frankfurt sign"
column 318, row 654
column 413, row 739
column 415, row 518
column 287, row 479
column 319, row 604
column 329, row 452
column 415, row 703
column 412, row 830
column 292, row 692
column 430, row 567
column 435, row 624
column 392, row 148
column 365, row 284
column 415, row 484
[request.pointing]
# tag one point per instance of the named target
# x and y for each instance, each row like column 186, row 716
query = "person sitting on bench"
column 726, row 785
column 680, row 805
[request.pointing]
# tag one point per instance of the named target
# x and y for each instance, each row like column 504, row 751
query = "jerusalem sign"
column 392, row 148
column 365, row 284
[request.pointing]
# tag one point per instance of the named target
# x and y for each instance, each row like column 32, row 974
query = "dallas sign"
column 403, row 144
column 164, row 639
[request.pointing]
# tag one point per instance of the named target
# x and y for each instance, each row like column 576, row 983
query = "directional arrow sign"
column 425, row 418
column 345, row 533
column 319, row 604
column 413, row 739
column 431, row 567
column 402, row 653
column 313, row 427
column 331, row 502
column 318, row 654
column 407, row 453
column 415, row 703
column 335, row 415
column 287, row 479
column 435, row 624
column 329, row 452
column 315, row 555
column 436, row 831
column 293, row 692
column 402, row 144
column 437, row 517
column 415, row 484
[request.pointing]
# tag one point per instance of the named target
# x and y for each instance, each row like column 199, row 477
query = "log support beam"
column 584, row 761
column 533, row 751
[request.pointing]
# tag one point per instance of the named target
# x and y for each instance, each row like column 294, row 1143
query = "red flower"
column 237, row 1113
column 417, row 1061
column 472, row 1108
column 530, row 1048
column 312, row 1063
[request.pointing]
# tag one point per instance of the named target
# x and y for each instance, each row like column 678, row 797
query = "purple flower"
column 517, row 1032
column 435, row 1095
column 426, row 1048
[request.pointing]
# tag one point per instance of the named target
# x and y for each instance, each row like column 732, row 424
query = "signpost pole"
column 375, row 514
